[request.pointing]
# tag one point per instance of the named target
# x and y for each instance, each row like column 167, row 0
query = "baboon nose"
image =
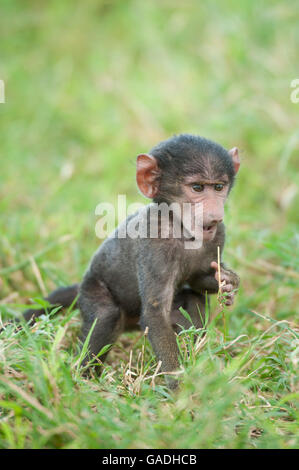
column 215, row 219
column 211, row 222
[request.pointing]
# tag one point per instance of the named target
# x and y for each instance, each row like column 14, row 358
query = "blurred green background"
column 89, row 85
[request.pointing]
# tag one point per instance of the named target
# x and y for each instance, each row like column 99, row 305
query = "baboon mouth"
column 208, row 228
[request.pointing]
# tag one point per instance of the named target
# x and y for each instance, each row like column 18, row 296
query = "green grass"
column 88, row 87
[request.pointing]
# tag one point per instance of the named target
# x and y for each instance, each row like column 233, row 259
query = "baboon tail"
column 63, row 296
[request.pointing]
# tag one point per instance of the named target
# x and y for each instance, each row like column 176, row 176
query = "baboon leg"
column 96, row 303
column 195, row 306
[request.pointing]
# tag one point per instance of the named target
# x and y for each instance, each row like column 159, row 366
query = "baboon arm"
column 157, row 288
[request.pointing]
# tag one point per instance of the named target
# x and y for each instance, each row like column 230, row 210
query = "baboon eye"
column 198, row 187
column 218, row 187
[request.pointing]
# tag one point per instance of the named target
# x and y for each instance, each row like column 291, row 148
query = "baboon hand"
column 229, row 282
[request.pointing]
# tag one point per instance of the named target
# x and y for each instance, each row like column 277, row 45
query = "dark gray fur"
column 145, row 281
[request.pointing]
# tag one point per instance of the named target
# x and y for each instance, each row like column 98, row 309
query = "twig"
column 155, row 374
column 220, row 292
column 219, row 277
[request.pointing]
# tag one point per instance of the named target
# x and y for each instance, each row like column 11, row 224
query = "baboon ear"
column 147, row 173
column 234, row 153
